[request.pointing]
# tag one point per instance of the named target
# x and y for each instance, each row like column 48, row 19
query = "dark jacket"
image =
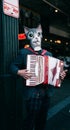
column 20, row 63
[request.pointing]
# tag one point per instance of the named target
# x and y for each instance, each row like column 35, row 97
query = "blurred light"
column 45, row 39
column 50, row 40
column 56, row 10
column 58, row 41
column 67, row 43
column 26, row 46
column 21, row 36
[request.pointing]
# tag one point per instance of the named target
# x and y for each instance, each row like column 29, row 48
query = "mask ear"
column 39, row 27
column 26, row 29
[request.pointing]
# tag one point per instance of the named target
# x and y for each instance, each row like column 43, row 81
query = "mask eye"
column 30, row 34
column 39, row 34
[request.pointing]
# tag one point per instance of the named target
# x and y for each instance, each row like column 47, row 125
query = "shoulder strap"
column 43, row 52
column 29, row 48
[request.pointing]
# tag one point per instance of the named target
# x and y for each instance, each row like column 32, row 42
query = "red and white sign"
column 11, row 8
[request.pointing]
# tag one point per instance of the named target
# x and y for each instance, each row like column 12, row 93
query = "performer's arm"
column 18, row 67
column 24, row 73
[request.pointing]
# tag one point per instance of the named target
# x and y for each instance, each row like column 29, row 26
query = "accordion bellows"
column 44, row 69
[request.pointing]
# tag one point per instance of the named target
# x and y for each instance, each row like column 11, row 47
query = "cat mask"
column 34, row 35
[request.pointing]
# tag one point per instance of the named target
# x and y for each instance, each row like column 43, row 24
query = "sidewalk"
column 59, row 113
column 61, row 121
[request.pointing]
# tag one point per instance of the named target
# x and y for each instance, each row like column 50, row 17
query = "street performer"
column 36, row 98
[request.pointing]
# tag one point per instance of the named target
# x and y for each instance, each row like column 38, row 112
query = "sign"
column 11, row 8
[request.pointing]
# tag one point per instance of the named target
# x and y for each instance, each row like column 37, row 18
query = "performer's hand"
column 63, row 74
column 24, row 73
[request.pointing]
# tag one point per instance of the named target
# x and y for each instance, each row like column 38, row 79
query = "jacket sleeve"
column 48, row 53
column 19, row 63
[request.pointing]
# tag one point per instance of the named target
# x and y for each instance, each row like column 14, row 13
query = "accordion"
column 44, row 69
